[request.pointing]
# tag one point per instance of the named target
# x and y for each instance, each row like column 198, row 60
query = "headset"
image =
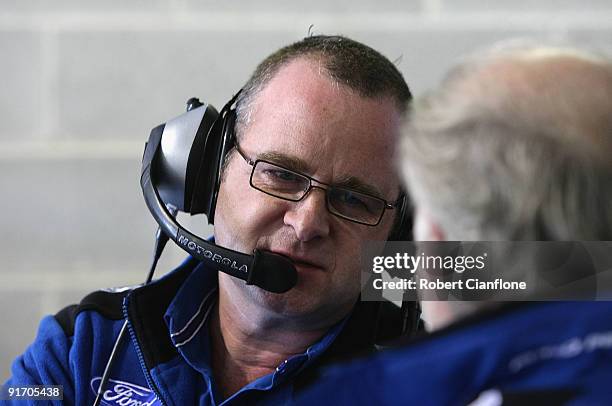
column 189, row 161
column 182, row 166
column 182, row 169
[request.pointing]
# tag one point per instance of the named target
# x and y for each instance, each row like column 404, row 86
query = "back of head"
column 516, row 145
column 347, row 62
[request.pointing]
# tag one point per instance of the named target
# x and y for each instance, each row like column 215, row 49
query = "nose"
column 309, row 217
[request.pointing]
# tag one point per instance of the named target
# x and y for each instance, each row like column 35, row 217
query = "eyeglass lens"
column 286, row 184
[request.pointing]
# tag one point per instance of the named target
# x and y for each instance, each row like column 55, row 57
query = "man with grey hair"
column 513, row 145
column 309, row 178
column 516, row 145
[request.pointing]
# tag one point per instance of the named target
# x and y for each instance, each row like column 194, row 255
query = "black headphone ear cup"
column 203, row 187
column 229, row 136
column 219, row 141
column 227, row 142
column 402, row 229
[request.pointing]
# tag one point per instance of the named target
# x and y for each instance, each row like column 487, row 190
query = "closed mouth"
column 300, row 261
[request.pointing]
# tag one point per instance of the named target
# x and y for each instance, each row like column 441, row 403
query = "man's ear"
column 426, row 228
column 435, row 314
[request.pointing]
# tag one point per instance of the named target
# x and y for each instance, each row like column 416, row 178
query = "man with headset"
column 521, row 142
column 310, row 177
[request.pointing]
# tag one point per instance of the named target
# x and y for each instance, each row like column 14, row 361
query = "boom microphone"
column 272, row 272
column 267, row 270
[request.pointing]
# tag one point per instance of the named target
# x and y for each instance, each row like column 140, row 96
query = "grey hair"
column 516, row 144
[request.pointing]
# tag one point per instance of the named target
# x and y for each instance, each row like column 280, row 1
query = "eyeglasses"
column 278, row 181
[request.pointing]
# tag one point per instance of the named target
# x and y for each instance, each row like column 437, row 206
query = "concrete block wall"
column 84, row 82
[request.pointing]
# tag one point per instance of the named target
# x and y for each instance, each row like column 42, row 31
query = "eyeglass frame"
column 386, row 205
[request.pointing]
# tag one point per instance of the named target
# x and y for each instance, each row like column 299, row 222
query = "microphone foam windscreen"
column 272, row 272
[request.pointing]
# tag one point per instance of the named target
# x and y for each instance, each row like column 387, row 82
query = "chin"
column 307, row 306
column 292, row 303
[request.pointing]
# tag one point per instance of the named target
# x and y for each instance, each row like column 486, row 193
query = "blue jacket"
column 529, row 353
column 166, row 359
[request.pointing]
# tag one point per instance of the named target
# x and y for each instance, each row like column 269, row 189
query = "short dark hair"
column 348, row 62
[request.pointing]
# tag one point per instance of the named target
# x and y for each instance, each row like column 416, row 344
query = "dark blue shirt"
column 555, row 353
column 166, row 359
column 188, row 318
